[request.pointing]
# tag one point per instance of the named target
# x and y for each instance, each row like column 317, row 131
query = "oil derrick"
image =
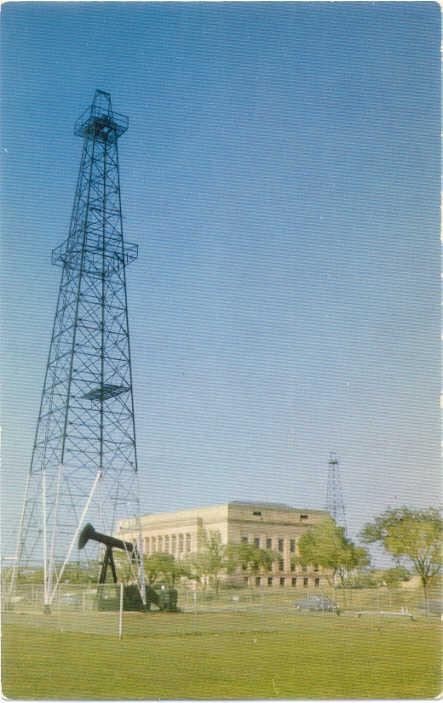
column 84, row 461
column 334, row 495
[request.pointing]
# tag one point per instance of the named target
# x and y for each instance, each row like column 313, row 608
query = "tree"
column 251, row 558
column 392, row 577
column 75, row 573
column 326, row 545
column 363, row 578
column 212, row 558
column 123, row 566
column 411, row 536
column 164, row 565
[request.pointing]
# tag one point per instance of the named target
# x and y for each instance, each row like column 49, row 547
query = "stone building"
column 273, row 526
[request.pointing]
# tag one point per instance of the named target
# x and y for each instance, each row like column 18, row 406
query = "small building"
column 275, row 526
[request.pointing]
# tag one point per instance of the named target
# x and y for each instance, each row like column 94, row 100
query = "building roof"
column 264, row 505
column 261, row 504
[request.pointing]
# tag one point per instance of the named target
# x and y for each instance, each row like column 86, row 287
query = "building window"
column 244, row 566
column 269, row 543
column 180, row 544
column 294, row 580
column 160, row 544
column 146, row 545
column 292, row 546
column 292, row 566
column 257, row 581
column 174, row 543
column 305, row 581
column 280, row 545
column 245, row 579
column 281, row 565
column 188, row 542
column 282, row 581
column 269, row 580
column 154, row 544
column 256, row 541
column 317, row 582
column 244, row 540
column 167, row 543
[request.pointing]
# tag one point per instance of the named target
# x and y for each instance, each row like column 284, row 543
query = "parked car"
column 434, row 606
column 70, row 599
column 318, row 603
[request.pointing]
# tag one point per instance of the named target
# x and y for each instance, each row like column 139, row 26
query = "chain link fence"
column 74, row 608
column 95, row 610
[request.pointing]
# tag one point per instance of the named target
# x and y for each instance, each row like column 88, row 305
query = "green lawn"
column 225, row 655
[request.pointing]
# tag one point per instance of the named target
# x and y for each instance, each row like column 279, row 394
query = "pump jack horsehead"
column 111, row 543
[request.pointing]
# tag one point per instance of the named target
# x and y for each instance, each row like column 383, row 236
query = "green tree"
column 74, row 573
column 363, row 578
column 81, row 573
column 251, row 558
column 123, row 566
column 410, row 536
column 165, row 567
column 212, row 558
column 392, row 577
column 326, row 545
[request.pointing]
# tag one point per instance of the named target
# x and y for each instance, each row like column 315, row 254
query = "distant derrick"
column 334, row 495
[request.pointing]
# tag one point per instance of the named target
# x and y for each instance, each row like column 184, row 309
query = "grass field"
column 225, row 655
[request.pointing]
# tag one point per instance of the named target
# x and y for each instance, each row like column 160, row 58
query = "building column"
column 287, row 561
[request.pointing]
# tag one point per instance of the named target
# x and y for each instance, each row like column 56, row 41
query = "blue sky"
column 281, row 176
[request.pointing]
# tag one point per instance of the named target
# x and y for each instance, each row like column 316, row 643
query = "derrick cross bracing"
column 84, row 461
column 334, row 495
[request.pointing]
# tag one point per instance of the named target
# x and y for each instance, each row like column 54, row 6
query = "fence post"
column 120, row 619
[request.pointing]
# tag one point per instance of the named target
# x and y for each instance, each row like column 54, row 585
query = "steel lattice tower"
column 334, row 495
column 84, row 461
